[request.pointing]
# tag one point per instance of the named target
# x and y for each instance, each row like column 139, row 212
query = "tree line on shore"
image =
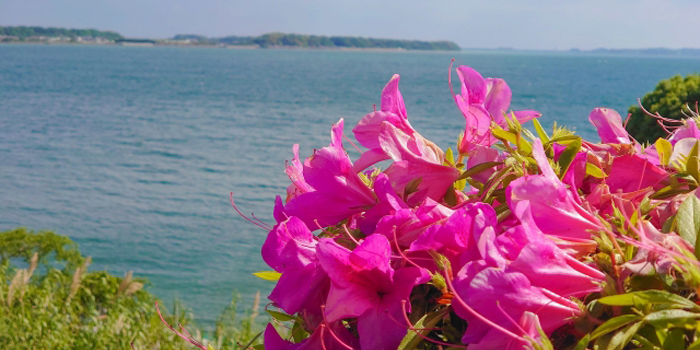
column 320, row 41
column 25, row 32
column 33, row 33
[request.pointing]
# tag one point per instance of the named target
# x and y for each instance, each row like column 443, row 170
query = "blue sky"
column 520, row 24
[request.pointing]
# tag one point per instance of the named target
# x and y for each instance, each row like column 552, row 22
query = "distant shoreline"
column 672, row 53
column 226, row 47
column 270, row 40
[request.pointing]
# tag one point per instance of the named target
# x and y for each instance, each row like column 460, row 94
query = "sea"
column 133, row 152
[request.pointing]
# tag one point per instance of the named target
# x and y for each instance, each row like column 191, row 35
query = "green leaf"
column 280, row 316
column 671, row 317
column 540, row 131
column 506, row 136
column 460, row 185
column 623, row 337
column 688, row 219
column 647, row 338
column 613, row 324
column 412, row 186
column 565, row 140
column 477, row 169
column 253, row 340
column 268, row 275
column 568, row 155
column 668, row 191
column 594, row 171
column 424, row 327
column 664, row 149
column 513, row 122
column 495, row 182
column 695, row 345
column 675, row 340
column 298, row 332
column 657, row 297
column 449, row 157
column 583, row 343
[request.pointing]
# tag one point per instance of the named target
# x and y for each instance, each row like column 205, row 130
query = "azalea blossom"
column 364, row 285
column 482, row 101
column 338, row 192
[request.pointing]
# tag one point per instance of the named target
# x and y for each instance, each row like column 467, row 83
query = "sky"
column 518, row 24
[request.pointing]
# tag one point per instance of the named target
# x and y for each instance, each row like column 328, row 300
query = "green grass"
column 50, row 300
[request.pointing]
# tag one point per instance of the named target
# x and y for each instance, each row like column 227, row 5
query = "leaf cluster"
column 669, row 98
column 49, row 300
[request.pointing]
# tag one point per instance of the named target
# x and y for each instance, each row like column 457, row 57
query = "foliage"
column 319, row 41
column 669, row 99
column 281, row 39
column 24, row 33
column 54, row 302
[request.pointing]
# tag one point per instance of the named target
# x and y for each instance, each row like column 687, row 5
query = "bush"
column 668, row 99
column 55, row 303
column 519, row 239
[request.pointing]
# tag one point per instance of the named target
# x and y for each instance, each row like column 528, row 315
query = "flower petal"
column 497, row 98
column 473, row 85
column 609, row 125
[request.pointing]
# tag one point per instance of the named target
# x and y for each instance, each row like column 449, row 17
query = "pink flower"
column 392, row 110
column 631, row 173
column 415, row 161
column 656, row 251
column 518, row 272
column 482, row 101
column 503, row 295
column 553, row 208
column 368, row 129
column 296, row 176
column 479, row 154
column 389, row 203
column 290, row 249
column 547, row 266
column 689, row 129
column 467, row 235
column 319, row 339
column 409, row 223
column 338, row 191
column 388, row 135
column 364, row 285
column 609, row 125
column 530, row 325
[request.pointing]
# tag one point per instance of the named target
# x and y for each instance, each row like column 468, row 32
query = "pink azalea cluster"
column 500, row 248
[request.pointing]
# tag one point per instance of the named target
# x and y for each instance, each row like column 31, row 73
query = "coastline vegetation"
column 319, row 41
column 25, row 33
column 270, row 40
column 674, row 98
column 49, row 300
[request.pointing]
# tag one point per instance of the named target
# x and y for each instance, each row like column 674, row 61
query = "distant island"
column 271, row 40
column 57, row 35
column 319, row 41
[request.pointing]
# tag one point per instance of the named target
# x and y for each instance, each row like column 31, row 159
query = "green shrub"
column 668, row 99
column 55, row 303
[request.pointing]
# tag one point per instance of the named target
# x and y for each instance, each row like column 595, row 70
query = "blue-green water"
column 132, row 152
